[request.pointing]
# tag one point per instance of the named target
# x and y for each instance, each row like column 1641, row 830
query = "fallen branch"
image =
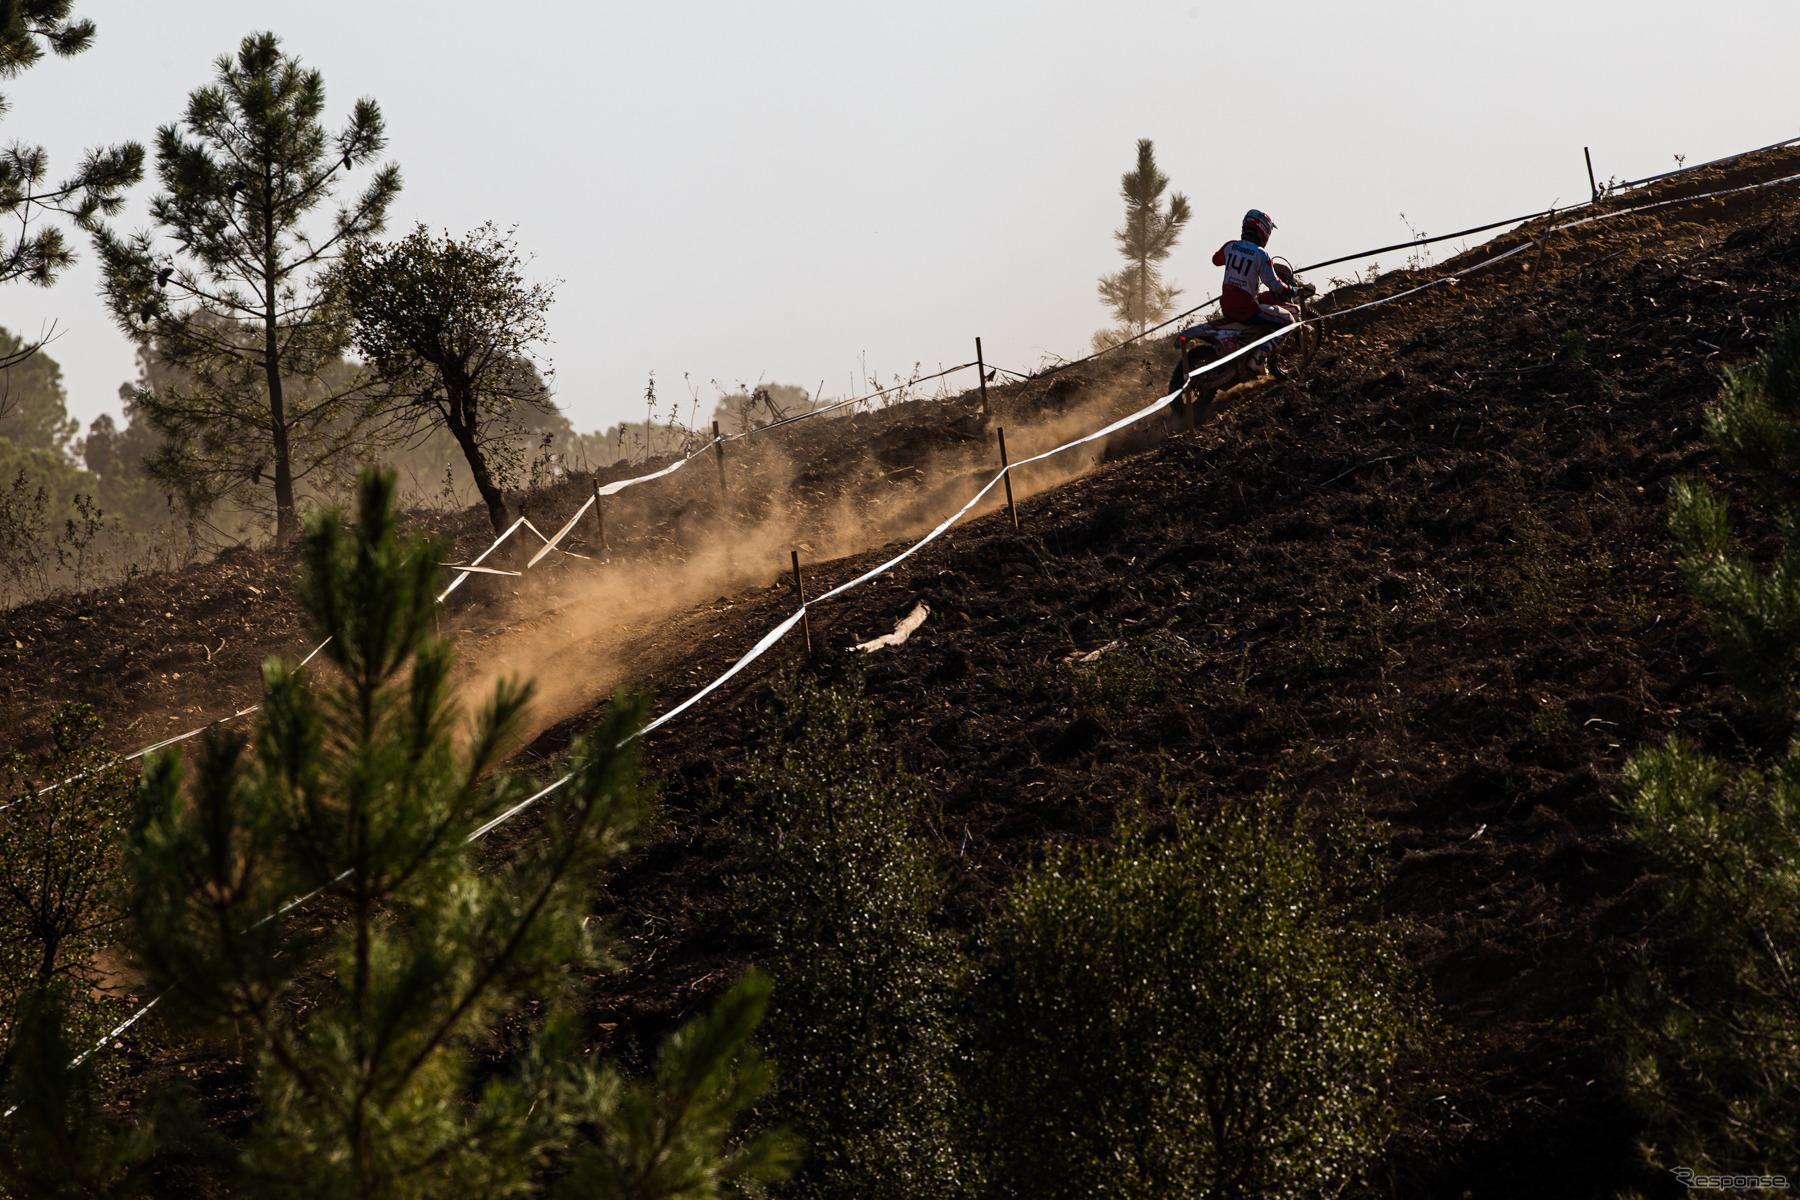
column 902, row 631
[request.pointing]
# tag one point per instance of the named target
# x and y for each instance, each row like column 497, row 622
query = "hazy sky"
column 789, row 191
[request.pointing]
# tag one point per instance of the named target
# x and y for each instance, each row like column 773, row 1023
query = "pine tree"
column 448, row 328
column 34, row 405
column 323, row 904
column 241, row 302
column 1711, row 1033
column 40, row 252
column 1136, row 294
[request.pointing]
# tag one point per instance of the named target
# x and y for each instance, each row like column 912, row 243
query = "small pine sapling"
column 1709, row 1048
column 322, row 903
column 1136, row 294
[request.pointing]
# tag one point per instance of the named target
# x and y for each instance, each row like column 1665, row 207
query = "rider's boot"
column 1179, row 378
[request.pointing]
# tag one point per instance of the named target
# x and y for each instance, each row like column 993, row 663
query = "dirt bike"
column 1205, row 396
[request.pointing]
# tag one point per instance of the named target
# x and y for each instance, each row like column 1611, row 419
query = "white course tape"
column 778, row 632
column 170, row 741
column 834, row 406
column 1121, row 423
column 1554, row 229
column 769, row 639
column 755, row 652
column 614, row 488
column 465, row 571
column 480, row 570
column 457, row 582
column 550, row 543
column 617, row 486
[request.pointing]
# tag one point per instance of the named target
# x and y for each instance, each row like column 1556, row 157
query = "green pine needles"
column 1755, row 612
column 1711, row 1036
column 233, row 286
column 39, row 253
column 315, row 900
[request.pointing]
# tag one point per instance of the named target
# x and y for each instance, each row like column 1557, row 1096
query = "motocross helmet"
column 1257, row 227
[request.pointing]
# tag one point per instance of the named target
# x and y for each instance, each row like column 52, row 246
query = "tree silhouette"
column 1137, row 295
column 251, row 320
column 447, row 327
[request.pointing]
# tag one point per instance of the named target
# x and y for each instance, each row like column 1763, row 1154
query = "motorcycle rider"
column 1247, row 266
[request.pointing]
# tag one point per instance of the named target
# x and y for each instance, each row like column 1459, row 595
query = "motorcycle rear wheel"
column 1199, row 390
column 1292, row 356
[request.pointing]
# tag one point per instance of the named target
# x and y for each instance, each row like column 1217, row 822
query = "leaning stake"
column 1006, row 474
column 600, row 516
column 800, row 591
column 981, row 376
column 719, row 454
column 1592, row 186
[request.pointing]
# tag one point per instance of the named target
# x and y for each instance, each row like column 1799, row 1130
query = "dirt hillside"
column 1431, row 580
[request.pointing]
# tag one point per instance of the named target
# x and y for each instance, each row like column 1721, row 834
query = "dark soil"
column 169, row 651
column 1431, row 582
column 160, row 654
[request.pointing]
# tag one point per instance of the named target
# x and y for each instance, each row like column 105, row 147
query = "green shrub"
column 841, row 885
column 1755, row 611
column 1710, row 1032
column 1711, row 1035
column 59, row 1136
column 1197, row 1013
column 60, row 874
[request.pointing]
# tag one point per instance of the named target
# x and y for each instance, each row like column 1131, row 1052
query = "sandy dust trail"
column 598, row 628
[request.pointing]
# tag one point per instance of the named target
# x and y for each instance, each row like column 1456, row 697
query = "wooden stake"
column 1592, row 186
column 600, row 515
column 1187, row 395
column 981, row 376
column 800, row 591
column 1010, row 506
column 719, row 454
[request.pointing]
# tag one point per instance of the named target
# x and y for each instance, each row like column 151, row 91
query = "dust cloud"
column 831, row 488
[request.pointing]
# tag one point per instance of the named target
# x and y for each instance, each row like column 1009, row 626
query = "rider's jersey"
column 1246, row 266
